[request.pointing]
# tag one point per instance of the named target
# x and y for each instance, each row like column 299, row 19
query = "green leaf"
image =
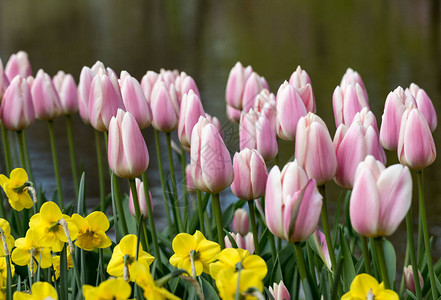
column 391, row 260
column 412, row 295
column 276, row 272
column 230, row 238
column 348, row 263
column 81, row 209
column 208, row 290
column 228, row 214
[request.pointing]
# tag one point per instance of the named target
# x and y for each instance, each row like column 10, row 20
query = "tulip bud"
column 211, row 166
column 322, row 248
column 127, row 153
column 250, row 175
column 189, row 180
column 380, row 198
column 409, row 281
column 141, row 199
column 352, row 77
column 301, row 81
column 236, row 85
column 253, row 86
column 314, row 149
column 18, row 64
column 45, row 97
column 290, row 108
column 266, row 103
column 135, row 101
column 241, row 223
column 67, row 91
column 184, row 84
column 347, row 100
column 416, row 148
column 246, row 243
column 292, row 203
column 233, row 114
column 191, row 110
column 165, row 107
column 147, row 83
column 98, row 68
column 215, row 121
column 86, row 77
column 424, row 104
column 279, row 291
column 17, row 110
column 249, row 242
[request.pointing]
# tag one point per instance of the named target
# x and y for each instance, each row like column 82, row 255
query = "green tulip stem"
column 99, row 160
column 422, row 205
column 6, row 149
column 378, row 242
column 175, row 204
column 365, row 250
column 218, row 213
column 152, row 221
column 21, row 149
column 411, row 250
column 119, row 206
column 184, row 184
column 254, row 226
column 161, row 177
column 55, row 162
column 201, row 212
column 73, row 164
column 325, row 223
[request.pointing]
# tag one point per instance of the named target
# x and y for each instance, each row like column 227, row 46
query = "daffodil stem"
column 99, row 160
column 239, row 273
column 137, row 210
column 175, row 203
column 218, row 213
column 411, row 250
column 152, row 221
column 119, row 206
column 193, row 266
column 325, row 223
column 201, row 212
column 101, row 259
column 378, row 242
column 76, row 271
column 365, row 250
column 21, row 149
column 55, row 162
column 6, row 149
column 422, row 206
column 254, row 226
column 184, row 185
column 302, row 268
column 73, row 163
column 161, row 177
column 63, row 273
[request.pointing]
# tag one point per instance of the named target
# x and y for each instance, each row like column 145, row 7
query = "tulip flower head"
column 165, row 106
column 113, row 288
column 92, row 231
column 233, row 114
column 253, row 86
column 135, row 101
column 241, row 222
column 45, row 97
column 246, row 242
column 409, row 281
column 67, row 91
column 15, row 188
column 301, row 81
column 364, row 286
column 424, row 105
column 40, row 290
column 141, row 199
column 353, row 77
column 191, row 110
column 4, row 81
column 18, row 64
column 322, row 248
column 184, row 84
column 279, row 291
column 236, row 85
column 147, row 83
column 27, row 248
column 86, row 77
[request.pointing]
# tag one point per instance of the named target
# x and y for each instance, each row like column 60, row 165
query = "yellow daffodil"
column 205, row 252
column 364, row 286
column 47, row 230
column 144, row 279
column 92, row 231
column 40, row 291
column 127, row 248
column 4, row 270
column 227, row 284
column 9, row 238
column 22, row 252
column 230, row 257
column 56, row 263
column 15, row 189
column 111, row 289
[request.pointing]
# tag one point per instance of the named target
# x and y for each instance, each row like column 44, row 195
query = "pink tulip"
column 396, row 103
column 4, row 81
column 380, row 198
column 416, row 148
column 301, row 81
column 45, row 97
column 189, row 180
column 135, row 101
column 250, row 175
column 168, row 76
column 314, row 150
column 279, row 291
column 290, row 108
column 98, row 68
column 165, row 107
column 322, row 248
column 191, row 110
column 241, row 222
column 353, row 78
column 215, row 121
column 253, row 86
column 424, row 104
column 86, row 77
column 18, row 64
column 67, row 91
column 233, row 114
column 184, row 84
column 246, row 242
column 103, row 102
column 266, row 104
column 409, row 281
column 127, row 153
column 141, row 199
column 211, row 166
column 352, row 144
column 17, row 110
column 147, row 83
column 236, row 85
column 291, row 197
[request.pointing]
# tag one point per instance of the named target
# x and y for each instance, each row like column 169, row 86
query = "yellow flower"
column 127, row 248
column 92, row 231
column 9, row 238
column 205, row 252
column 230, row 257
column 144, row 279
column 365, row 285
column 47, row 230
column 4, row 270
column 111, row 289
column 15, row 190
column 40, row 291
column 22, row 252
column 227, row 283
column 56, row 263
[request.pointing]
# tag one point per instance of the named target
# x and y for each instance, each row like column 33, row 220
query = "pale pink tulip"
column 424, row 104
column 409, row 281
column 322, row 248
column 215, row 121
column 380, row 198
column 189, row 180
column 352, row 77
column 301, row 81
column 184, row 84
column 141, row 199
column 45, row 97
column 241, row 222
column 233, row 114
column 67, row 91
column 416, row 148
column 347, row 101
column 246, row 242
column 127, row 153
column 4, row 81
column 135, row 101
column 18, row 64
column 86, row 77
column 165, row 107
column 236, row 84
column 253, row 86
column 314, row 150
column 147, row 83
column 250, row 175
column 279, row 291
column 191, row 110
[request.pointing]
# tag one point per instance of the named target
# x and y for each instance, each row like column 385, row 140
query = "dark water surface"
column 390, row 43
